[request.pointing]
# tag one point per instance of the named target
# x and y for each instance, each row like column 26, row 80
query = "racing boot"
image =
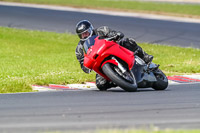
column 102, row 84
column 147, row 58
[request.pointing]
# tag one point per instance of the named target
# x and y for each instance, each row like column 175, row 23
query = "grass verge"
column 35, row 57
column 187, row 10
column 145, row 131
column 133, row 131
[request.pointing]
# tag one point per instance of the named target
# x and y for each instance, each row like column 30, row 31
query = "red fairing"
column 96, row 55
column 88, row 62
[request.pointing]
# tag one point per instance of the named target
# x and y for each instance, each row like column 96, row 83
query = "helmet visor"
column 85, row 34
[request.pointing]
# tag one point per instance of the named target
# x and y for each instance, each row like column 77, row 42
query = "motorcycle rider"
column 84, row 30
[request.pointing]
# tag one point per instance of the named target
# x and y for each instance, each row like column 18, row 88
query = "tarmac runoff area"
column 112, row 13
column 173, row 80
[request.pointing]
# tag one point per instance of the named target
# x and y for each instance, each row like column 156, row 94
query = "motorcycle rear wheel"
column 110, row 72
column 162, row 81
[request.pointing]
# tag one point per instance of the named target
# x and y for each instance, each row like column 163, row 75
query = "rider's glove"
column 85, row 69
column 117, row 36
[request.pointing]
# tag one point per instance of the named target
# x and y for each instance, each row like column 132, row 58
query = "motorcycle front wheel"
column 128, row 84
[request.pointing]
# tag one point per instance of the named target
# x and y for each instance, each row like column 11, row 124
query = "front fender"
column 112, row 61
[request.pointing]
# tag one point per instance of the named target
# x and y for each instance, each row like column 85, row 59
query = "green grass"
column 136, row 6
column 143, row 131
column 134, row 131
column 35, row 57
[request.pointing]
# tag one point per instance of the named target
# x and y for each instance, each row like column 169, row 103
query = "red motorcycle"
column 119, row 65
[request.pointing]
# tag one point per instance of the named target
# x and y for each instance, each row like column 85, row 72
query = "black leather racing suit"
column 105, row 32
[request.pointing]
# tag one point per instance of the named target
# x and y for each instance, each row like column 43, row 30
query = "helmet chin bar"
column 90, row 32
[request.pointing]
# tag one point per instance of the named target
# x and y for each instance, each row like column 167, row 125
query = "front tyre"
column 162, row 81
column 110, row 71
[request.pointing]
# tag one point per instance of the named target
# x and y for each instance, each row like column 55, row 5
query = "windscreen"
column 88, row 43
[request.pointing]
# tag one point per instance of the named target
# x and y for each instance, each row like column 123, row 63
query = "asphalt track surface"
column 178, row 107
column 143, row 30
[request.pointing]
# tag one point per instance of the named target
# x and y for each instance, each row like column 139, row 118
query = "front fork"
column 123, row 70
column 127, row 74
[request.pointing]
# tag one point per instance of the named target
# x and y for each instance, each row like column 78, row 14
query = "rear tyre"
column 162, row 81
column 113, row 75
